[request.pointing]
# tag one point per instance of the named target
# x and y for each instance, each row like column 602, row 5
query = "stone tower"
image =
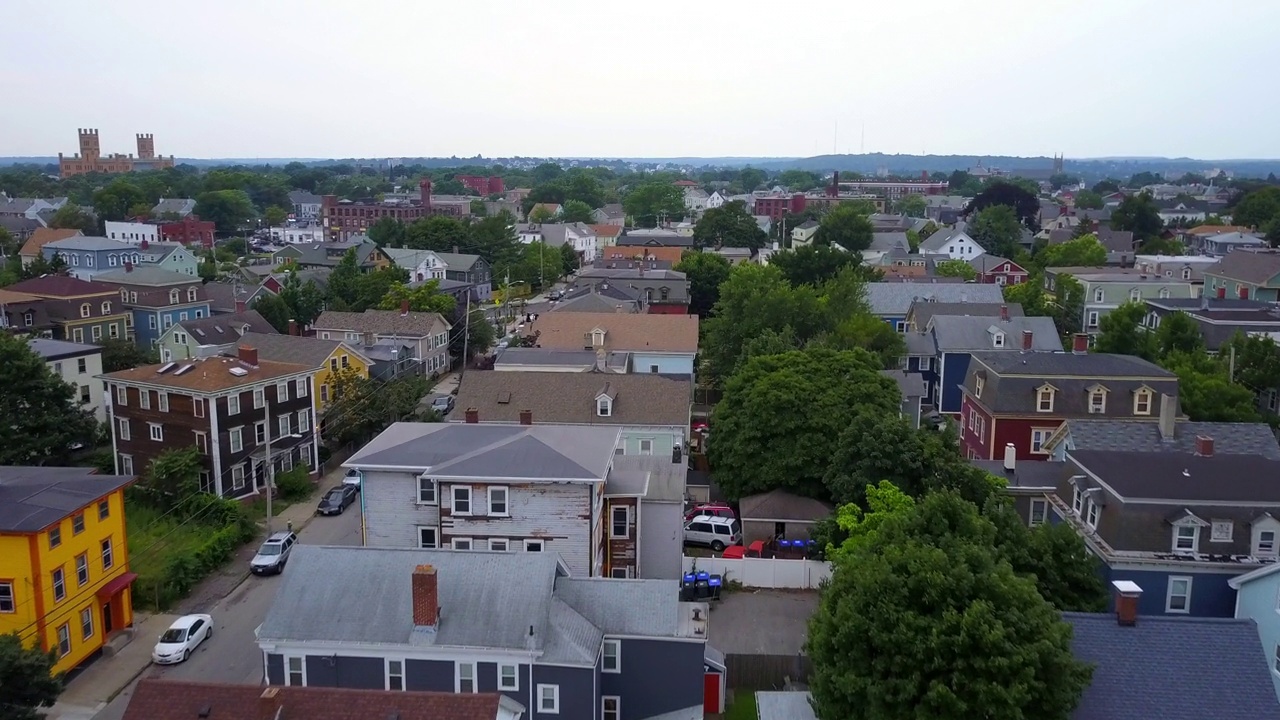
column 146, row 146
column 89, row 148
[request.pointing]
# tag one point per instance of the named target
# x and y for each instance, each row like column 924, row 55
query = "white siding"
column 391, row 511
column 661, row 540
column 559, row 514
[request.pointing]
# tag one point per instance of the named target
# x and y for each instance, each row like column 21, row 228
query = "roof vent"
column 205, row 711
column 238, row 371
column 184, row 369
column 165, row 368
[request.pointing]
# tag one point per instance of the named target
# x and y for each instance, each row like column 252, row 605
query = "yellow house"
column 64, row 567
column 327, row 357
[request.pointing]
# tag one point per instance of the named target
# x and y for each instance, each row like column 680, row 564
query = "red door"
column 711, row 701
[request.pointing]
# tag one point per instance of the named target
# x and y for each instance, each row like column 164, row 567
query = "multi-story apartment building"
column 234, row 410
column 468, row 268
column 427, row 333
column 90, row 158
column 327, row 359
column 65, row 586
column 665, row 292
column 77, row 310
column 561, row 645
column 134, row 233
column 157, row 298
column 78, row 365
column 1247, row 275
column 1107, row 288
column 344, row 218
column 659, row 344
column 24, row 314
column 190, row 231
column 1023, row 398
column 482, row 185
column 306, row 206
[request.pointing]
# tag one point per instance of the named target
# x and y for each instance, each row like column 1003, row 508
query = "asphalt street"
column 231, row 655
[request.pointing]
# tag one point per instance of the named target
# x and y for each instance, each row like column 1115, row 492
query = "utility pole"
column 271, row 467
column 1232, row 376
column 466, row 337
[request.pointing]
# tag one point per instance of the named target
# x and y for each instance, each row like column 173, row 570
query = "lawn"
column 743, row 707
column 153, row 540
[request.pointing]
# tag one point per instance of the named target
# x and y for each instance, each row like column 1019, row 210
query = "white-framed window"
column 461, row 500
column 108, row 555
column 1040, row 436
column 1091, row 516
column 395, row 674
column 8, row 603
column 499, row 544
column 1077, row 500
column 426, row 537
column 144, row 399
column 1098, row 295
column 236, row 436
column 604, row 407
column 997, row 340
column 260, row 432
column 549, row 699
column 464, row 677
column 162, row 401
column 151, row 321
column 1044, row 399
column 610, row 707
column 64, row 640
column 282, row 391
column 620, row 522
column 1098, row 401
column 285, row 424
column 611, row 661
column 646, row 446
column 304, row 420
column 508, row 677
column 900, row 326
column 123, row 424
column 237, row 477
column 259, row 398
column 498, row 500
column 301, row 388
column 1036, row 515
column 1142, row 402
column 1092, row 320
column 202, row 442
column 1178, row 599
column 295, row 671
column 59, row 584
column 461, row 543
column 233, row 404
column 926, row 363
column 426, row 491
column 1186, row 538
column 533, row 546
column 122, row 396
column 1266, row 544
column 1222, row 531
column 86, row 623
column 198, row 406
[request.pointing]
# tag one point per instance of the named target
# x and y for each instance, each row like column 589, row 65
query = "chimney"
column 526, row 417
column 248, row 355
column 1080, row 343
column 455, row 249
column 426, row 597
column 145, row 244
column 1127, row 594
column 1168, row 416
column 240, row 306
column 1204, row 446
column 1004, row 313
column 368, row 339
column 404, row 307
column 128, row 266
column 1027, row 337
column 293, row 326
column 473, row 415
column 1010, row 458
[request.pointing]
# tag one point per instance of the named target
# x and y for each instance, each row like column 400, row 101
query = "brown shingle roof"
column 43, row 236
column 61, row 286
column 178, row 700
column 631, row 252
column 623, row 331
column 382, row 322
column 782, row 505
column 208, row 375
column 9, row 296
column 569, row 397
column 1207, row 230
column 606, row 231
column 309, row 351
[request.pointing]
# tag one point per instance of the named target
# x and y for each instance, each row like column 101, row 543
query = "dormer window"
column 1164, row 293
column 1097, row 400
column 1044, row 398
column 1098, row 295
column 85, row 310
column 174, row 296
column 597, row 338
column 106, row 308
column 1142, row 401
column 665, row 293
column 1186, row 538
column 604, row 406
column 124, row 295
column 978, row 384
column 1186, row 273
column 997, row 339
column 1135, row 294
column 191, row 294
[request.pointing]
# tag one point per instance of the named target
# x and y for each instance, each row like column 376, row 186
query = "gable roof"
column 895, row 298
column 1139, row 436
column 633, row 332
column 382, row 322
column 885, row 241
column 954, row 333
column 43, row 236
column 569, row 397
column 181, row 206
column 1255, row 268
column 1184, row 476
column 622, row 253
column 91, row 243
column 59, row 349
column 1011, row 380
column 302, row 197
column 923, row 310
column 987, row 262
column 222, row 296
column 155, row 699
column 458, row 262
column 782, row 505
column 539, row 451
column 224, row 329
column 1112, row 240
column 407, row 258
column 32, row 498
column 606, row 231
column 1142, row 671
column 297, row 349
column 60, row 286
column 939, row 239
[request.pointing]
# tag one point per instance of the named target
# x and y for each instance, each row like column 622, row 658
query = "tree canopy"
column 423, row 298
column 44, row 414
column 813, row 264
column 1139, row 215
column 997, row 229
column 956, row 268
column 1088, row 200
column 650, row 203
column 846, row 225
column 729, row 225
column 27, row 682
column 705, row 272
column 1026, row 204
column 228, row 210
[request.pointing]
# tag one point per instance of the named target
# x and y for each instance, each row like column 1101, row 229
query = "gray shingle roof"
column 895, row 298
column 1012, row 379
column 514, row 356
column 92, row 242
column 407, row 258
column 145, row 275
column 1026, row 474
column 1138, row 436
column 885, row 241
column 911, row 385
column 57, row 349
column 666, row 479
column 224, row 329
column 32, row 498
column 309, row 351
column 1184, row 476
column 920, row 343
column 550, row 452
column 382, row 322
column 1148, row 671
column 458, row 262
column 569, row 397
column 181, row 206
column 782, row 505
column 923, row 311
column 628, row 607
column 954, row 333
column 1249, row 267
column 302, row 197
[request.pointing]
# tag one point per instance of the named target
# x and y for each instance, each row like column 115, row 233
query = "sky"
column 650, row 78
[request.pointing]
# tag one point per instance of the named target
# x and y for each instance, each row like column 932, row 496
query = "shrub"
column 295, row 484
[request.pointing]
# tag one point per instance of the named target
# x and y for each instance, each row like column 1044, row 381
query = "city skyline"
column 328, row 80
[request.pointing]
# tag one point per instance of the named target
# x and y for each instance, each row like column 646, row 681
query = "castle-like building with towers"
column 90, row 158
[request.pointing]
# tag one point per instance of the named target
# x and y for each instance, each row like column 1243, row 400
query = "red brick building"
column 995, row 270
column 482, row 185
column 343, row 218
column 190, row 230
column 777, row 206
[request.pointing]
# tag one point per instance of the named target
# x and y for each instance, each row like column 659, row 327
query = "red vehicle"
column 716, row 509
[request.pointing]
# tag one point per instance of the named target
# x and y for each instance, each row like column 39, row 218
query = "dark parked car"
column 336, row 500
column 443, row 404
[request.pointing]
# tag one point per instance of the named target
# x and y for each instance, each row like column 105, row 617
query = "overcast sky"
column 644, row 78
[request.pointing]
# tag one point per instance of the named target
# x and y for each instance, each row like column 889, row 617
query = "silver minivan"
column 715, row 532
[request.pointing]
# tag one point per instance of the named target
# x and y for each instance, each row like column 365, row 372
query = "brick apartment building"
column 481, row 185
column 189, row 231
column 90, row 158
column 343, row 218
column 229, row 408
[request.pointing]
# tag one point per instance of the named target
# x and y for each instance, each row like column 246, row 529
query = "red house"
column 995, row 270
column 190, row 230
column 1023, row 398
column 481, row 185
column 777, row 206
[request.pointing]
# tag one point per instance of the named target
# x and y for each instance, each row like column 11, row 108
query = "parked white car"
column 182, row 638
column 715, row 532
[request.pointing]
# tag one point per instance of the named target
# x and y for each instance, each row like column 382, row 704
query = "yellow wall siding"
column 325, row 375
column 16, row 568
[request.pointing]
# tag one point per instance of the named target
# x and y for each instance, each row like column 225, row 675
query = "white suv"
column 717, row 532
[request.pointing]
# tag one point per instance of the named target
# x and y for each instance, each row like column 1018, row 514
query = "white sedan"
column 182, row 638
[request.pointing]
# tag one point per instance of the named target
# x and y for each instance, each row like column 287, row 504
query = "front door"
column 106, row 619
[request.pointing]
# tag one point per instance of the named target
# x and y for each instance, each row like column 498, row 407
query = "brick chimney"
column 473, row 415
column 1127, row 595
column 1004, row 313
column 293, row 326
column 1080, row 343
column 128, row 266
column 1204, row 446
column 426, row 597
column 240, row 306
column 145, row 244
column 404, row 307
column 248, row 355
column 526, row 417
column 1027, row 337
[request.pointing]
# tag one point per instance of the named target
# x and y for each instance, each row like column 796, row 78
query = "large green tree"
column 846, row 225
column 997, row 229
column 780, row 418
column 305, row 300
column 652, row 202
column 925, row 619
column 1025, row 203
column 1084, row 251
column 43, row 414
column 1121, row 332
column 813, row 264
column 705, row 272
column 956, row 268
column 1178, row 333
column 228, row 210
column 74, row 217
column 1258, row 209
column 729, row 225
column 439, row 233
column 1088, row 200
column 275, row 311
column 424, row 298
column 1205, row 390
column 912, row 205
column 576, row 211
column 27, row 681
column 1139, row 215
column 388, row 232
column 113, row 201
column 479, row 335
column 1053, row 555
column 121, row 354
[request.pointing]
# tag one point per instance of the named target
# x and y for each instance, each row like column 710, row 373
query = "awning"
column 116, row 585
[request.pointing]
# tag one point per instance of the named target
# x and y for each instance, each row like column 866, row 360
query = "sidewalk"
column 98, row 683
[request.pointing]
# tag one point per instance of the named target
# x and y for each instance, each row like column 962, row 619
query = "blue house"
column 957, row 337
column 89, row 256
column 157, row 298
column 1258, row 599
column 478, row 621
column 892, row 301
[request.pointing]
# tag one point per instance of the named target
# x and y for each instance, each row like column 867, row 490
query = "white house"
column 953, row 242
column 134, row 233
column 579, row 236
column 715, row 200
column 695, row 199
column 422, row 265
column 298, row 234
column 78, row 365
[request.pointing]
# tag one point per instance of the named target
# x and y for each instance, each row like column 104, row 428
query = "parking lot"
column 761, row 622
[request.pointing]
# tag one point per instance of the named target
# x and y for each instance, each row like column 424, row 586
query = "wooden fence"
column 765, row 672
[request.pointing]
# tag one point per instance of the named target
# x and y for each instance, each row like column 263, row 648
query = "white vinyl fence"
column 764, row 572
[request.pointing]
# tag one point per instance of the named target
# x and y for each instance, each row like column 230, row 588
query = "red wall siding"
column 657, row 309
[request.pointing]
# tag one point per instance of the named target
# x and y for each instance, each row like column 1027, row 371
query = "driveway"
column 761, row 622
